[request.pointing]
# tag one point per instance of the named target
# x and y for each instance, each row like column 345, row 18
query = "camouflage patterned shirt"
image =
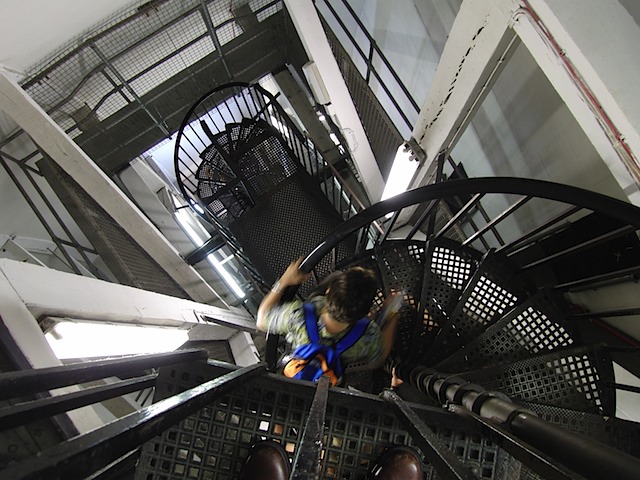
column 288, row 319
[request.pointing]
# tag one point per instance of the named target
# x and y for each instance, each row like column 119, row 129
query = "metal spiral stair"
column 470, row 313
column 486, row 331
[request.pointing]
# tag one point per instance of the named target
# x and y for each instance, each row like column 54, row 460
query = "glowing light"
column 85, row 339
column 197, row 234
column 402, row 172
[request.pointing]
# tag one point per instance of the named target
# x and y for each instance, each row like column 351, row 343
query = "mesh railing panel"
column 383, row 136
column 127, row 260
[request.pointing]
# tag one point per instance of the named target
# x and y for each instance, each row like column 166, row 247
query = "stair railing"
column 432, row 198
column 538, row 444
column 115, row 444
column 528, row 438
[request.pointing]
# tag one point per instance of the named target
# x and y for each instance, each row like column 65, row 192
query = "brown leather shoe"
column 267, row 460
column 397, row 463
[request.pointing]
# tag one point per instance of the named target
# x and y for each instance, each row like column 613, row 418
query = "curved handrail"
column 568, row 194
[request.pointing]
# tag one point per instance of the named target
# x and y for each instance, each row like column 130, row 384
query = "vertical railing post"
column 444, row 461
column 307, row 465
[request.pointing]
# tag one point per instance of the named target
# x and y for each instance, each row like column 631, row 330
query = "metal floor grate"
column 214, row 443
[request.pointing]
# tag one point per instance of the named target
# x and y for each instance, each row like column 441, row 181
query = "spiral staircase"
column 502, row 376
column 487, row 334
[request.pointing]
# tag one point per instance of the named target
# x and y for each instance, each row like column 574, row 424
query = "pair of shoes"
column 397, row 463
column 267, row 460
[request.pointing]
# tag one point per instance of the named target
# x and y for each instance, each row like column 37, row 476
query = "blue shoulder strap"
column 353, row 336
column 346, row 342
column 311, row 323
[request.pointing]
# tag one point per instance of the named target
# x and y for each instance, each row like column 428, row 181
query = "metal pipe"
column 491, row 225
column 593, row 460
column 26, row 412
column 589, row 458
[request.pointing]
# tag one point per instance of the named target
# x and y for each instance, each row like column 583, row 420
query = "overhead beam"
column 307, row 23
column 52, row 139
column 66, row 295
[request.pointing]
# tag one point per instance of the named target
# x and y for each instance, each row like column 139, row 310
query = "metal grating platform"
column 214, row 443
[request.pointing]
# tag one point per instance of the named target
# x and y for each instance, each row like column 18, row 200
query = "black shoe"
column 267, row 460
column 397, row 463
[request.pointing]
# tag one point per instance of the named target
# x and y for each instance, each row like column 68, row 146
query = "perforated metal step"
column 491, row 292
column 536, row 326
column 574, row 378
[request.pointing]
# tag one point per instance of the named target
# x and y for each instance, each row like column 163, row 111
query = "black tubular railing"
column 563, row 202
column 112, row 446
column 236, row 102
column 241, row 103
column 532, row 438
column 373, row 55
column 104, row 447
column 552, row 451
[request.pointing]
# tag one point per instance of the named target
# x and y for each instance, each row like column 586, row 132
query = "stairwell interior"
column 519, row 279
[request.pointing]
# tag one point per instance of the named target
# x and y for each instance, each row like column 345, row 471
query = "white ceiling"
column 31, row 30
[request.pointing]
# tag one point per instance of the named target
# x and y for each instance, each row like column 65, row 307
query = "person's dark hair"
column 350, row 294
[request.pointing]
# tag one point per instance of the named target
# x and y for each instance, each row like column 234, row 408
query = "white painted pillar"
column 27, row 335
column 305, row 18
column 52, row 139
column 589, row 51
column 48, row 292
column 479, row 38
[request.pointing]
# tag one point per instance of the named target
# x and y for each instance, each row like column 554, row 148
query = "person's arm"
column 389, row 335
column 291, row 276
column 389, row 314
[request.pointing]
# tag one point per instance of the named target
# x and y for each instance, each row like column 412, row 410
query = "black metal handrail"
column 368, row 59
column 496, row 412
column 570, row 195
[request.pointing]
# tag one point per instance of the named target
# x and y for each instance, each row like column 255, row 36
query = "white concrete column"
column 479, row 39
column 52, row 139
column 27, row 335
column 588, row 49
column 307, row 23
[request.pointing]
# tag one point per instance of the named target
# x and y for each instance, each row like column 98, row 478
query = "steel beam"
column 307, row 23
column 478, row 43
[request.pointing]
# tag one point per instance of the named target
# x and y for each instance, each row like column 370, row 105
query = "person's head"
column 350, row 294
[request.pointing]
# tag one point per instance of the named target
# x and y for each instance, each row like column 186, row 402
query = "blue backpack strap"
column 311, row 323
column 353, row 336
